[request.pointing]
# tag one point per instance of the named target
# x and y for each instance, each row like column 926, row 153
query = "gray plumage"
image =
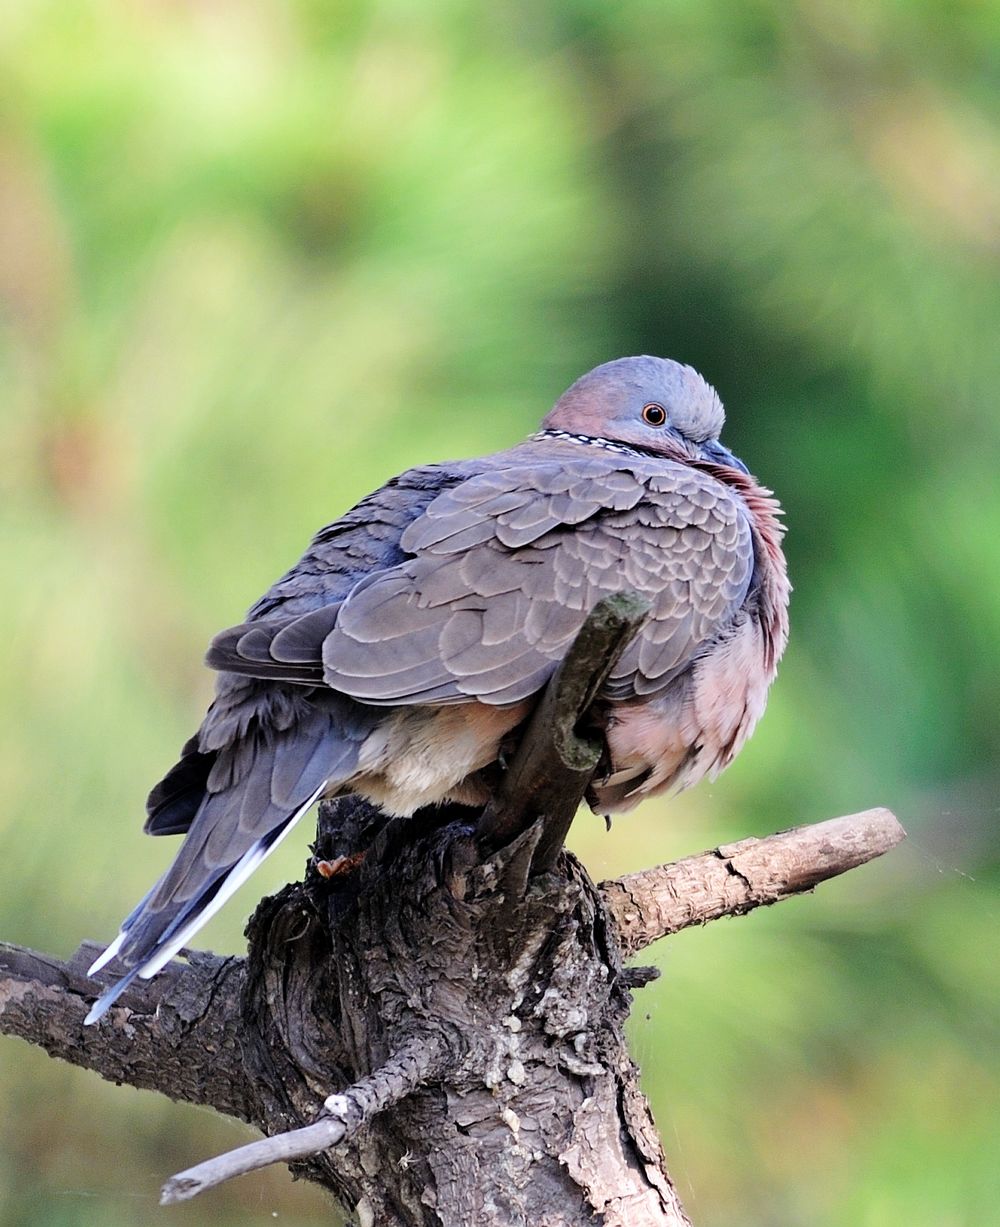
column 416, row 631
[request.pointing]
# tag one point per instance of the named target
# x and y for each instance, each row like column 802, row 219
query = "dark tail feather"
column 108, row 998
column 262, row 790
column 187, row 920
column 173, row 803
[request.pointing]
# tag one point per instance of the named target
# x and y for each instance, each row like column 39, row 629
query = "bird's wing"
column 498, row 573
column 251, row 697
column 307, row 598
column 265, row 747
column 266, row 750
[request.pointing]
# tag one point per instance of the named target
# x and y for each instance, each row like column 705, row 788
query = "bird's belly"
column 422, row 755
column 694, row 729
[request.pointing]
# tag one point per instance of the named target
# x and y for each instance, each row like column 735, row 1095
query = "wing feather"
column 490, row 619
column 495, row 575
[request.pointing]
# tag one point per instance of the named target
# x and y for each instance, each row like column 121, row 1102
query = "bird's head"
column 651, row 404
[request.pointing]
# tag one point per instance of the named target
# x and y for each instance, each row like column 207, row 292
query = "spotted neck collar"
column 590, row 441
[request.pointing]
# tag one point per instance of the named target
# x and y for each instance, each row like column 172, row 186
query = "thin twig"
column 417, row 1062
column 736, row 878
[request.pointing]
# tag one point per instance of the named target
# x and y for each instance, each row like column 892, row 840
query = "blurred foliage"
column 256, row 257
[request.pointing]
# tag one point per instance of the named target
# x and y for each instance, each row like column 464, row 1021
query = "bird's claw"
column 339, row 866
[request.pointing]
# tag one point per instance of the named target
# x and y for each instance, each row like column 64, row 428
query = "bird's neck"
column 569, row 436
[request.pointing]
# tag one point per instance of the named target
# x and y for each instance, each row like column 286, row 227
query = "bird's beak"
column 713, row 451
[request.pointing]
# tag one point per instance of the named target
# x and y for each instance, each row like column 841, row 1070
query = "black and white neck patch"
column 590, row 440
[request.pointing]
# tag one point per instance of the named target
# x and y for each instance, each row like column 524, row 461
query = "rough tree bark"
column 438, row 1009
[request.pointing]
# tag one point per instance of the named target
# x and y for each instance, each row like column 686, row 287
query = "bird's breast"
column 695, row 728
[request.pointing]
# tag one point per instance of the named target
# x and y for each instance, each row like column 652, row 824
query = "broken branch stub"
column 733, row 879
column 537, row 1116
column 555, row 761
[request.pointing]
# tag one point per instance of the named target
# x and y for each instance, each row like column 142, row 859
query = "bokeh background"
column 256, row 256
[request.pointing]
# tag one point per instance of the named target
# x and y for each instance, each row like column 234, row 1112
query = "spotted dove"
column 418, row 629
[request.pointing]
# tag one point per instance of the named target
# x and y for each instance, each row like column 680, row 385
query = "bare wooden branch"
column 555, row 761
column 178, row 1034
column 736, row 878
column 418, row 1062
column 181, row 1033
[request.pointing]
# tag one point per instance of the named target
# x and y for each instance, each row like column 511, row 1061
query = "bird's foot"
column 339, row 866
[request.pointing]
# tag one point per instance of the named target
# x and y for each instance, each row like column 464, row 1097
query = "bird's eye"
column 654, row 414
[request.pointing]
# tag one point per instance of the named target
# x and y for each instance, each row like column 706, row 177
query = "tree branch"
column 733, row 879
column 418, row 1062
column 178, row 1034
column 555, row 762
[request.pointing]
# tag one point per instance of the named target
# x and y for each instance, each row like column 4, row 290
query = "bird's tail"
column 191, row 917
column 260, row 792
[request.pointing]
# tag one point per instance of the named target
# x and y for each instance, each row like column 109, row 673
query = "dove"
column 414, row 636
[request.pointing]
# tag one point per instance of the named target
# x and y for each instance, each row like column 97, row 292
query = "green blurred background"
column 256, row 257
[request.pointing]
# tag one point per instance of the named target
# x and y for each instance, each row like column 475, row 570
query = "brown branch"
column 178, row 1034
column 555, row 761
column 736, row 878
